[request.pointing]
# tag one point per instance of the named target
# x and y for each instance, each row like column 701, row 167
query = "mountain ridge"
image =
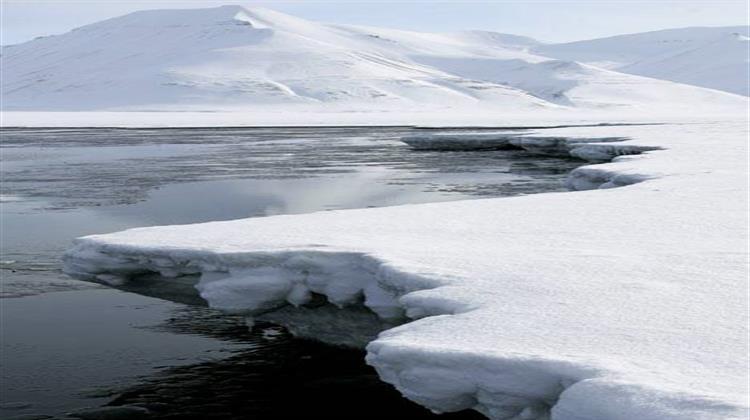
column 232, row 57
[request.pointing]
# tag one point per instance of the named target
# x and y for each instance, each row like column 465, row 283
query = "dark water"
column 69, row 344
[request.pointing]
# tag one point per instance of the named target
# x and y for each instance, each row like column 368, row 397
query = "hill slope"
column 715, row 58
column 233, row 58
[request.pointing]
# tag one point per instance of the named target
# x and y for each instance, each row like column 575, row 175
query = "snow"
column 715, row 58
column 250, row 60
column 296, row 117
column 614, row 303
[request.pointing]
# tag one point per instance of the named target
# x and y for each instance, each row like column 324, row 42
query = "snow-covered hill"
column 715, row 58
column 233, row 58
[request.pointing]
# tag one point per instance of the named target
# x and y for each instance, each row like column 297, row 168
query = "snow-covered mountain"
column 715, row 58
column 230, row 58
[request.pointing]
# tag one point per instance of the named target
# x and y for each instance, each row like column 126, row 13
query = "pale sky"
column 546, row 20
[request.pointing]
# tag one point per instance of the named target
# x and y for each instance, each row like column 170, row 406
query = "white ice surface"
column 625, row 303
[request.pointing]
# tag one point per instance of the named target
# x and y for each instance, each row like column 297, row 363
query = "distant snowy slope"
column 233, row 58
column 715, row 58
column 224, row 57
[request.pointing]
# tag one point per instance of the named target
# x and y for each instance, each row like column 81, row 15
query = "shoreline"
column 443, row 288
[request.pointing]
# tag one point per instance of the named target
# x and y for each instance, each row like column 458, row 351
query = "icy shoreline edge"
column 442, row 378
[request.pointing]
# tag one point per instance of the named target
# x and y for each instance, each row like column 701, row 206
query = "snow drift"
column 606, row 304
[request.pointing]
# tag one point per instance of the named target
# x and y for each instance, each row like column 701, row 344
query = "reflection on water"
column 278, row 377
column 74, row 168
column 65, row 350
column 64, row 183
column 61, row 349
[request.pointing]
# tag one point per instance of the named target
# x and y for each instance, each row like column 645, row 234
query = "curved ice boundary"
column 592, row 149
column 627, row 303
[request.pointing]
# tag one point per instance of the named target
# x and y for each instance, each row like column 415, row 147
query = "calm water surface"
column 68, row 344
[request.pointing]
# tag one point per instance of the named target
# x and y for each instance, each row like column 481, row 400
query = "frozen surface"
column 620, row 304
column 256, row 60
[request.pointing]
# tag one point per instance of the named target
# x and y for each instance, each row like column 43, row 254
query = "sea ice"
column 626, row 303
